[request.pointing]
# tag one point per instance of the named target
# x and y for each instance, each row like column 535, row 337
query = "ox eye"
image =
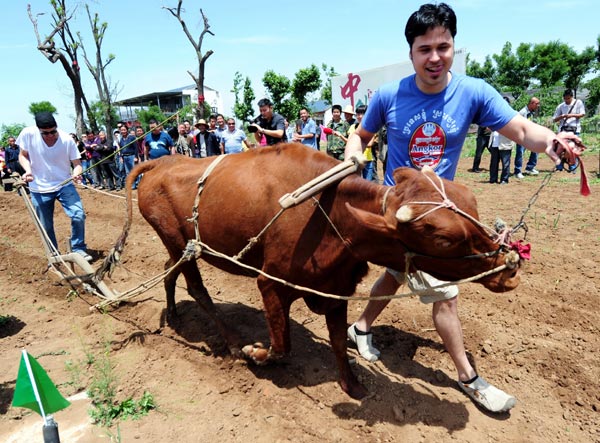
column 442, row 242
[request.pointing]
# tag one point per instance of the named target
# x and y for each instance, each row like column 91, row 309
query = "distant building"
column 169, row 102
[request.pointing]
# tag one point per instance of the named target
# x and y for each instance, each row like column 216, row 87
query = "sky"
column 153, row 54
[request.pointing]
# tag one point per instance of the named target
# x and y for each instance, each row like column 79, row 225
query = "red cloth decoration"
column 328, row 131
column 523, row 249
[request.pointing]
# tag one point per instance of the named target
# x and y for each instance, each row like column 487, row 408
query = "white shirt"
column 50, row 165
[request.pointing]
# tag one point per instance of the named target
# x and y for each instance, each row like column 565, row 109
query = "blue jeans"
column 128, row 164
column 71, row 203
column 367, row 172
column 87, row 175
column 533, row 158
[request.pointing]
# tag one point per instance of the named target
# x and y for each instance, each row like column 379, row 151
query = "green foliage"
column 152, row 112
column 7, row 131
column 290, row 96
column 306, row 81
column 244, row 97
column 328, row 72
column 44, row 106
column 102, row 391
column 278, row 87
column 99, row 111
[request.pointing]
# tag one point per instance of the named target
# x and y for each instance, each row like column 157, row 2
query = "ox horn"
column 404, row 214
column 426, row 168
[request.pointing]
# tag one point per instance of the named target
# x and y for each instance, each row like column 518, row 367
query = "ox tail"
column 114, row 255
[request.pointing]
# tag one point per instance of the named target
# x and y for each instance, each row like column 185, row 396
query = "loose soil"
column 539, row 342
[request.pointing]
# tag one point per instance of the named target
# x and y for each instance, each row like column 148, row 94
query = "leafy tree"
column 306, row 81
column 152, row 112
column 487, row 71
column 7, row 131
column 44, row 106
column 513, row 69
column 199, row 78
column 244, row 97
column 99, row 110
column 289, row 96
column 329, row 72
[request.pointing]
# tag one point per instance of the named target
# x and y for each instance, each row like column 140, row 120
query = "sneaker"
column 87, row 257
column 363, row 344
column 532, row 171
column 519, row 176
column 488, row 396
column 503, row 182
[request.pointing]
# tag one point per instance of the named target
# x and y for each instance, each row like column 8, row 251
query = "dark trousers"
column 498, row 156
column 481, row 143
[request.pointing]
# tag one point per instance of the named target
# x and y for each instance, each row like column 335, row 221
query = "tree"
column 7, row 131
column 329, row 72
column 44, row 106
column 513, row 72
column 153, row 112
column 69, row 47
column 306, row 81
column 199, row 79
column 242, row 108
column 98, row 71
column 289, row 97
column 99, row 110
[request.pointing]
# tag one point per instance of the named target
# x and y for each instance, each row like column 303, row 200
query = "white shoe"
column 520, row 176
column 532, row 172
column 87, row 257
column 488, row 396
column 363, row 344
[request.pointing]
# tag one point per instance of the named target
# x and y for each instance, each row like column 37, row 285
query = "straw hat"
column 348, row 110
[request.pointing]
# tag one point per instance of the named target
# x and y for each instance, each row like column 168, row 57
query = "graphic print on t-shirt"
column 427, row 145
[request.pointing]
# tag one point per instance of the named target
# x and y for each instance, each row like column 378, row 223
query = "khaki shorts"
column 424, row 285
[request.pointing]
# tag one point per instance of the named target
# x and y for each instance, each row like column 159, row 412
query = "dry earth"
column 540, row 342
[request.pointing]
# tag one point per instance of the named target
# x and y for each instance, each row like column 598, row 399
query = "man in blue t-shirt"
column 158, row 142
column 308, row 128
column 427, row 116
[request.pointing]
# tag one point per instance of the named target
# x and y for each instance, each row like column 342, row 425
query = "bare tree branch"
column 199, row 79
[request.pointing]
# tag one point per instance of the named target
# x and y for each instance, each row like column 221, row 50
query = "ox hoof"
column 257, row 353
column 354, row 390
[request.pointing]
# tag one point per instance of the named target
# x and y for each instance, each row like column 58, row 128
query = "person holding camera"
column 269, row 123
column 568, row 113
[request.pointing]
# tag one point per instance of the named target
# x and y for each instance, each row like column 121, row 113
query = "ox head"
column 436, row 222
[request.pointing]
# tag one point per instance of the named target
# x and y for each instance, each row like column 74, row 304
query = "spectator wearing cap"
column 337, row 136
column 46, row 156
column 207, row 143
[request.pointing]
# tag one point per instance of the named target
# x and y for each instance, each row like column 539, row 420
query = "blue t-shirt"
column 158, row 145
column 310, row 127
column 232, row 141
column 430, row 129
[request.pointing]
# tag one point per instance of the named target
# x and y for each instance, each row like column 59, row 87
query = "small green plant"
column 102, row 392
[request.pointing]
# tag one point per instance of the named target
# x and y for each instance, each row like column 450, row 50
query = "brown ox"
column 241, row 197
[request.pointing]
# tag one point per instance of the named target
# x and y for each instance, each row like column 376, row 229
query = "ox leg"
column 277, row 301
column 169, row 283
column 198, row 292
column 336, row 324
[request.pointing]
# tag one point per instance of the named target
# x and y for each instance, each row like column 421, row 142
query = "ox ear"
column 372, row 221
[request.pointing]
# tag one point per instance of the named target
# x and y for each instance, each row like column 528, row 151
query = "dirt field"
column 539, row 342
